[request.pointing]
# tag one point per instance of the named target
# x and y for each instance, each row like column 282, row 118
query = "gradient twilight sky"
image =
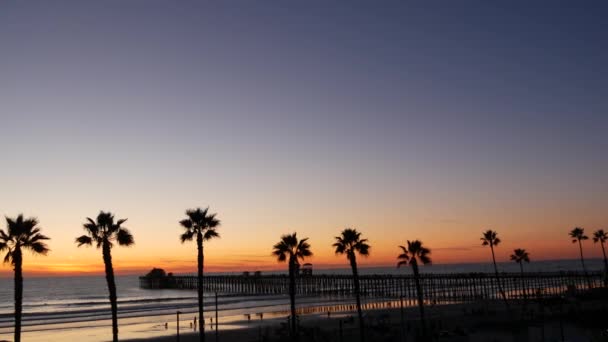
column 432, row 120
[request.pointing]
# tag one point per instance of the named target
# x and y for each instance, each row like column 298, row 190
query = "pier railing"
column 437, row 288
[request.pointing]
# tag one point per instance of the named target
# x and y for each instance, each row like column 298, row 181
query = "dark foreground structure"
column 437, row 288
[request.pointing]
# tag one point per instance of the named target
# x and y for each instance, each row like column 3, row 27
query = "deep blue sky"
column 389, row 115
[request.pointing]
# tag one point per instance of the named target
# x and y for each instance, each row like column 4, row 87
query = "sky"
column 428, row 120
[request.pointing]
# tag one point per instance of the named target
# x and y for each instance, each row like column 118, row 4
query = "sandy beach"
column 484, row 321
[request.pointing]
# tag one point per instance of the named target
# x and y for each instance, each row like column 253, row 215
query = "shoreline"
column 476, row 322
column 489, row 314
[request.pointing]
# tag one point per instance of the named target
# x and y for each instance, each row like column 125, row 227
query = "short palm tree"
column 104, row 233
column 21, row 234
column 520, row 256
column 600, row 236
column 202, row 225
column 415, row 253
column 490, row 238
column 351, row 244
column 578, row 235
column 290, row 249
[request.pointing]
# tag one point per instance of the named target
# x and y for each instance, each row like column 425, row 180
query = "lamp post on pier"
column 179, row 312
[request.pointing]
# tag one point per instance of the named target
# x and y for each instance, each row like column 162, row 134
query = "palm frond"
column 363, row 248
column 10, row 223
column 92, row 228
column 210, row 234
column 578, row 234
column 4, row 236
column 39, row 248
column 425, row 259
column 414, row 252
column 35, row 238
column 211, row 221
column 403, row 256
column 350, row 242
column 281, row 250
column 84, row 240
column 8, row 258
column 105, row 220
column 186, row 236
column 124, row 237
column 186, row 223
column 401, row 263
column 339, row 247
column 291, row 240
column 303, row 249
column 197, row 216
column 290, row 247
column 600, row 236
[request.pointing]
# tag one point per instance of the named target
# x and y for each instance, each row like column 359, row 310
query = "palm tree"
column 601, row 236
column 21, row 234
column 104, row 232
column 578, row 235
column 202, row 224
column 350, row 243
column 520, row 256
column 490, row 238
column 412, row 255
column 290, row 249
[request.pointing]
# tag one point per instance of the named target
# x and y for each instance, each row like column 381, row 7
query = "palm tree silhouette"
column 202, row 225
column 104, row 232
column 412, row 255
column 21, row 234
column 520, row 256
column 350, row 243
column 490, row 238
column 578, row 235
column 291, row 250
column 601, row 236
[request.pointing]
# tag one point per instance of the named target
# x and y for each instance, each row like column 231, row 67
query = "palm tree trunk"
column 498, row 283
column 292, row 296
column 18, row 260
column 107, row 260
column 353, row 265
column 605, row 265
column 523, row 282
column 420, row 296
column 580, row 247
column 200, row 261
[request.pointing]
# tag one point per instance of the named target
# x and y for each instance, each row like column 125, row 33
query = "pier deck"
column 439, row 288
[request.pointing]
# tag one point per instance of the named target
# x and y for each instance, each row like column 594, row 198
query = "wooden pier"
column 437, row 288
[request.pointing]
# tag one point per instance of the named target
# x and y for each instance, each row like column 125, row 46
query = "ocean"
column 55, row 305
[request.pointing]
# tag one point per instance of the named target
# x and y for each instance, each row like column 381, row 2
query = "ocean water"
column 53, row 302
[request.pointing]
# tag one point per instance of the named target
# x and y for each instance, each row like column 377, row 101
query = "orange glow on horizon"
column 383, row 256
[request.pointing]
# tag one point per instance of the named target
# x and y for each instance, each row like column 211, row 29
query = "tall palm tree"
column 351, row 244
column 200, row 224
column 290, row 249
column 520, row 256
column 490, row 238
column 412, row 255
column 21, row 234
column 104, row 233
column 578, row 235
column 601, row 236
